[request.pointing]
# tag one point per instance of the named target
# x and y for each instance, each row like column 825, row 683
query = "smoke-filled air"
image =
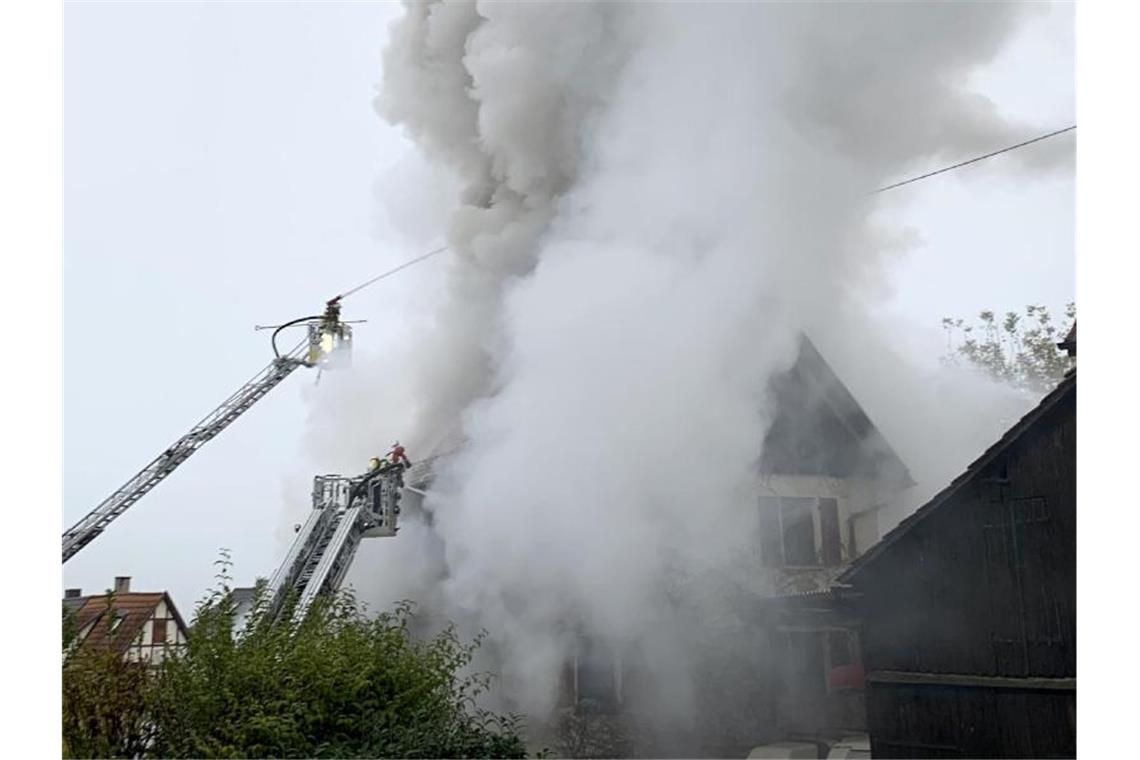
column 652, row 203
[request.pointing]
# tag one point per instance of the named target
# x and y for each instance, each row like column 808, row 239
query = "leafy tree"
column 70, row 633
column 339, row 683
column 106, row 700
column 1020, row 350
column 105, row 705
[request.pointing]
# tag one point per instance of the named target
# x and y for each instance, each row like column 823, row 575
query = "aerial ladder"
column 345, row 511
column 327, row 345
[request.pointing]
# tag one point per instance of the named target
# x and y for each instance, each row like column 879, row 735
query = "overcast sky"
column 222, row 166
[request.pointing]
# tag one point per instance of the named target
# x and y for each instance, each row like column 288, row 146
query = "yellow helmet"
column 374, row 463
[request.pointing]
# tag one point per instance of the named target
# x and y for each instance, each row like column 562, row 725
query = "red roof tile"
column 134, row 609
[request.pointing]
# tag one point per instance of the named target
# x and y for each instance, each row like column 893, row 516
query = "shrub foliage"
column 338, row 684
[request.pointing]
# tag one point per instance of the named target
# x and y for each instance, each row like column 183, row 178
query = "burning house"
column 639, row 225
column 824, row 474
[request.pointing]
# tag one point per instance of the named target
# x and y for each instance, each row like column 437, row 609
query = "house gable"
column 123, row 622
column 820, row 429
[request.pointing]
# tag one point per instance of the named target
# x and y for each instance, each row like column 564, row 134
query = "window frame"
column 775, row 488
column 813, row 515
column 154, row 639
column 822, row 550
column 614, row 666
column 116, row 621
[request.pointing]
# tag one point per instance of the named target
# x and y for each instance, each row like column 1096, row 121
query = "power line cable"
column 973, row 160
column 943, row 170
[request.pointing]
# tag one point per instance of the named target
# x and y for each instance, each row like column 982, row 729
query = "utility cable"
column 958, row 165
column 973, row 160
column 943, row 170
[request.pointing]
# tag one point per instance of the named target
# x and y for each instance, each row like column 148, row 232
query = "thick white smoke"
column 656, row 199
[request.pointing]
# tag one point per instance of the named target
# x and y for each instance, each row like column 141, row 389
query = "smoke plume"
column 655, row 200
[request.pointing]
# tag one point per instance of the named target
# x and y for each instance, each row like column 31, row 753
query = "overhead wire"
column 973, row 160
column 912, row 180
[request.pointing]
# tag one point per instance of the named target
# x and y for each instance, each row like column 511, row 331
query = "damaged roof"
column 1066, row 387
column 816, row 581
column 819, row 429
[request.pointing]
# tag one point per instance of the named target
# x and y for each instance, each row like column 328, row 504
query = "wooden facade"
column 968, row 607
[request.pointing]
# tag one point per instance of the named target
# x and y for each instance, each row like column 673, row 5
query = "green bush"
column 338, row 684
column 105, row 705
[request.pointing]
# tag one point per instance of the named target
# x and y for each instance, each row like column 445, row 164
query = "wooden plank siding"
column 987, row 585
column 969, row 612
column 909, row 720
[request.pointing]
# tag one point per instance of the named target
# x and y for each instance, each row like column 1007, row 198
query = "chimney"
column 72, row 593
column 122, row 584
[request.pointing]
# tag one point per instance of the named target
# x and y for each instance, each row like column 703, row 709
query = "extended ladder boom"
column 327, row 344
column 345, row 510
column 165, row 463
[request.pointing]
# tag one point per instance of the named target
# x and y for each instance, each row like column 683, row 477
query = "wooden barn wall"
column 970, row 722
column 986, row 584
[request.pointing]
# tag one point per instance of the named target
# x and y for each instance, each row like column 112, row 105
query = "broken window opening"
column 598, row 677
column 798, row 531
column 829, row 531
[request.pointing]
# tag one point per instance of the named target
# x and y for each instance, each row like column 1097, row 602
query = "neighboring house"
column 969, row 605
column 143, row 627
column 243, row 599
column 825, row 473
